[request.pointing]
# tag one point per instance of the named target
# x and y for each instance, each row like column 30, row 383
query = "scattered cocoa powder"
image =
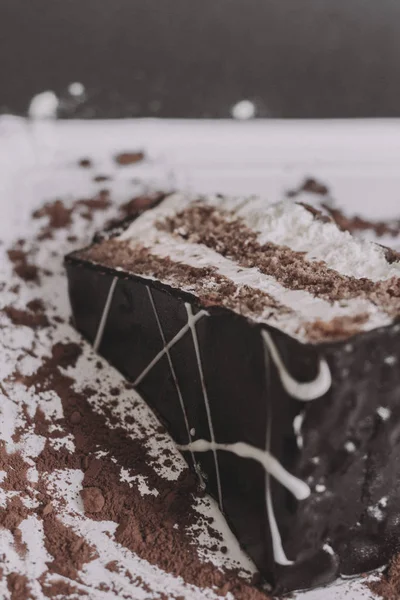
column 357, row 223
column 22, row 267
column 59, row 216
column 10, row 518
column 85, row 163
column 60, row 589
column 141, row 203
column 69, row 551
column 93, row 499
column 388, row 584
column 101, row 178
column 47, row 510
column 16, row 469
column 129, row 158
column 18, row 586
column 310, row 184
column 33, row 318
column 99, row 202
column 345, row 223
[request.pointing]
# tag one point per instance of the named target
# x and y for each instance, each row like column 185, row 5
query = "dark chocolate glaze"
column 350, row 523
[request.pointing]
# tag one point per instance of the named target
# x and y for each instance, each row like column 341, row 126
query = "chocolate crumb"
column 85, row 163
column 18, row 586
column 357, row 223
column 47, row 510
column 22, row 267
column 75, row 418
column 33, row 318
column 312, row 185
column 58, row 214
column 141, row 203
column 70, row 552
column 129, row 158
column 101, row 178
column 93, row 499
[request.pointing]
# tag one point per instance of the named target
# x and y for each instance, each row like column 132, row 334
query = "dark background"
column 197, row 58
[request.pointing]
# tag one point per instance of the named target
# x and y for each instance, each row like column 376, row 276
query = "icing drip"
column 301, row 391
column 173, row 373
column 277, row 547
column 298, row 488
column 192, row 325
column 170, row 344
column 104, row 316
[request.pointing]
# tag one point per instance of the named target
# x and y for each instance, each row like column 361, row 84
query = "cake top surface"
column 282, row 263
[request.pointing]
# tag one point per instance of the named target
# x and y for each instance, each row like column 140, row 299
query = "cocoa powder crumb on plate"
column 129, row 158
column 85, row 163
column 93, row 499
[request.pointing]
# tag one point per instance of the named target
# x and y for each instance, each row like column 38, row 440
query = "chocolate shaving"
column 211, row 288
column 310, row 185
column 22, row 267
column 356, row 223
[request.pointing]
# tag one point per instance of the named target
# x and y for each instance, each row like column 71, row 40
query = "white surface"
column 38, row 162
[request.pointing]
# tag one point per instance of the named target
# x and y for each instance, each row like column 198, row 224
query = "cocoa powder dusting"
column 59, row 216
column 34, row 317
column 18, row 586
column 357, row 223
column 22, row 266
column 70, row 552
column 388, row 584
column 11, row 517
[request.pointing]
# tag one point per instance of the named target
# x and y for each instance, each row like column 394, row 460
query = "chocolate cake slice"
column 266, row 339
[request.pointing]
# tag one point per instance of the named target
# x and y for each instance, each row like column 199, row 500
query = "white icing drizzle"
column 297, row 425
column 301, row 391
column 277, row 546
column 192, row 325
column 296, row 486
column 168, row 346
column 175, row 379
column 104, row 316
